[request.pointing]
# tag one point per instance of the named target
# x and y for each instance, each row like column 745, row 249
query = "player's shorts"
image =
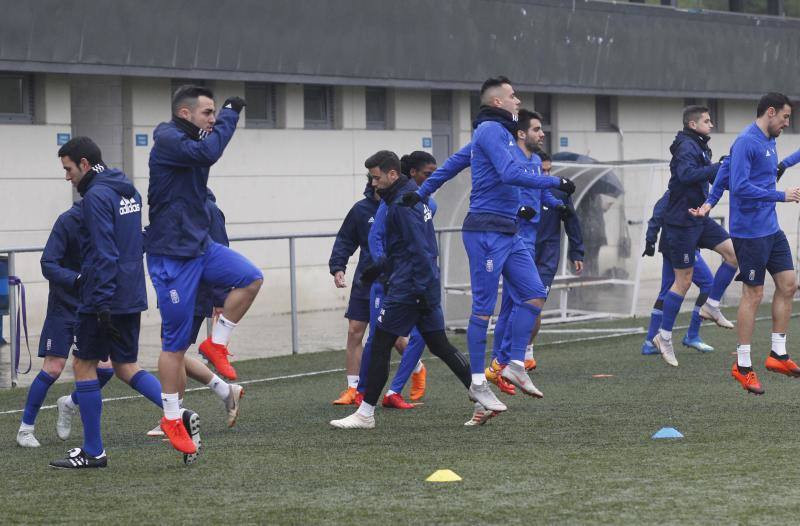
column 197, row 324
column 701, row 275
column 760, row 255
column 683, row 241
column 177, row 281
column 92, row 342
column 357, row 309
column 399, row 318
column 58, row 335
column 492, row 254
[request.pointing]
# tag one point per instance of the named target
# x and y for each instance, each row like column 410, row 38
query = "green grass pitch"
column 583, row 454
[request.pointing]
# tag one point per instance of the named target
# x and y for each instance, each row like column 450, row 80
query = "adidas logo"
column 371, row 220
column 129, row 206
column 202, row 134
column 427, row 214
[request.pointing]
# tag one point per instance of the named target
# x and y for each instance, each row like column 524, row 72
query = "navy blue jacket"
column 691, row 171
column 411, row 249
column 209, row 297
column 354, row 233
column 655, row 223
column 549, row 231
column 179, row 166
column 61, row 264
column 112, row 267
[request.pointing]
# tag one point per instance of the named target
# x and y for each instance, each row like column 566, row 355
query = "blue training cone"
column 667, row 432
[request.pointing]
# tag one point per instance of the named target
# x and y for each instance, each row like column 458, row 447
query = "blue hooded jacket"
column 721, row 183
column 411, row 249
column 61, row 264
column 112, row 267
column 179, row 166
column 534, row 198
column 691, row 171
column 354, row 234
column 209, row 297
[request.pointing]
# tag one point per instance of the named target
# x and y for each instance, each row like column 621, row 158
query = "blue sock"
column 148, row 385
column 504, row 354
column 672, row 305
column 363, row 370
column 501, row 327
column 521, row 328
column 408, row 361
column 722, row 279
column 36, row 394
column 655, row 323
column 694, row 325
column 104, row 374
column 476, row 343
column 88, row 393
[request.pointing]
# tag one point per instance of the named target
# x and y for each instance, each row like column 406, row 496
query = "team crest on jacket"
column 128, row 206
column 489, row 265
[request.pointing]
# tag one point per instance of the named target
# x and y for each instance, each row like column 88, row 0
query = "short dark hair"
column 385, row 160
column 544, row 156
column 187, row 95
column 493, row 82
column 79, row 148
column 693, row 113
column 772, row 100
column 415, row 160
column 524, row 119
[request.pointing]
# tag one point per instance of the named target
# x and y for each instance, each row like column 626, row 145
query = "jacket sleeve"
column 491, row 140
column 688, row 169
column 411, row 229
column 178, row 149
column 217, row 230
column 721, row 183
column 548, row 199
column 345, row 244
column 377, row 235
column 98, row 218
column 741, row 164
column 53, row 255
column 655, row 222
column 454, row 165
column 572, row 227
column 792, row 160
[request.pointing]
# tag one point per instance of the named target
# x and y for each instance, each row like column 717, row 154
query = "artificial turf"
column 583, row 454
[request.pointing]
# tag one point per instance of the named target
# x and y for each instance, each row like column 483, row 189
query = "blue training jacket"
column 377, row 234
column 548, row 235
column 533, row 198
column 411, row 249
column 179, row 166
column 454, row 165
column 721, row 182
column 496, row 171
column 691, row 171
column 792, row 160
column 112, row 267
column 61, row 264
column 208, row 296
column 353, row 234
column 754, row 166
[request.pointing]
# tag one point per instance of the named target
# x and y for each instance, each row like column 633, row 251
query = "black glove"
column 566, row 186
column 423, row 305
column 371, row 273
column 526, row 212
column 564, row 211
column 235, row 103
column 104, row 321
column 649, row 250
column 781, row 169
column 722, row 159
column 410, row 199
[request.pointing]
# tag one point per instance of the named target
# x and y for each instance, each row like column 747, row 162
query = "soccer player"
column 414, row 295
column 701, row 276
column 180, row 252
column 760, row 244
column 112, row 294
column 353, row 234
column 61, row 266
column 691, row 171
column 529, row 139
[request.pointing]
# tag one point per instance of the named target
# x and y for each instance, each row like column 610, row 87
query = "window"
column 376, row 108
column 474, row 105
column 605, row 113
column 441, row 106
column 261, row 105
column 318, row 107
column 542, row 103
column 16, row 98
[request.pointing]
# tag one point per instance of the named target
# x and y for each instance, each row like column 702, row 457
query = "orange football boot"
column 530, row 365
column 359, row 398
column 749, row 381
column 347, row 397
column 396, row 401
column 178, row 436
column 787, row 366
column 493, row 375
column 217, row 354
column 418, row 383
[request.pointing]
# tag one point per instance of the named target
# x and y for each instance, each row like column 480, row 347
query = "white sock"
column 221, row 334
column 743, row 356
column 70, row 404
column 529, row 352
column 779, row 343
column 666, row 335
column 352, row 380
column 220, row 388
column 390, row 392
column 479, row 379
column 25, row 427
column 714, row 304
column 518, row 362
column 171, row 403
column 366, row 410
column 420, row 366
column 180, row 403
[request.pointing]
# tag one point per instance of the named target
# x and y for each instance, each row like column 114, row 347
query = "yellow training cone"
column 443, row 475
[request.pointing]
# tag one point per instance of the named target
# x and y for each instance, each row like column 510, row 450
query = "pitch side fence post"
column 293, row 293
column 12, row 318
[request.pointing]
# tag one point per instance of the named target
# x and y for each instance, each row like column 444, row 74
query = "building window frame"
column 26, row 113
column 379, row 119
column 255, row 91
column 326, row 93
